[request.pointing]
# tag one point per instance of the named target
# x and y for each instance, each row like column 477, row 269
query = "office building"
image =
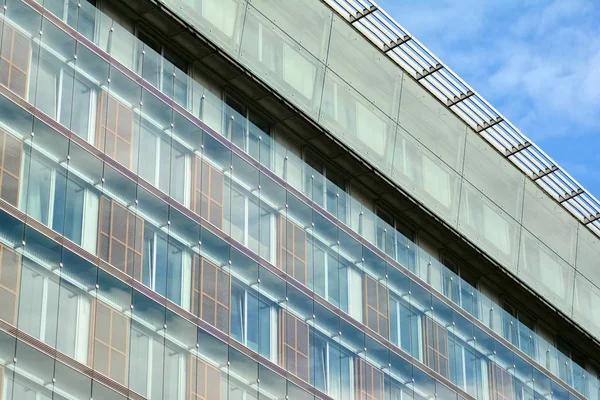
column 259, row 199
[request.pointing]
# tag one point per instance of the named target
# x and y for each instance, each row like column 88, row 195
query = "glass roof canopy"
column 404, row 49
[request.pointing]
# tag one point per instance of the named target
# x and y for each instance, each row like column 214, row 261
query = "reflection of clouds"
column 540, row 58
column 537, row 61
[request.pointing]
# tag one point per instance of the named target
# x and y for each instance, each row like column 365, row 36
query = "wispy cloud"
column 537, row 61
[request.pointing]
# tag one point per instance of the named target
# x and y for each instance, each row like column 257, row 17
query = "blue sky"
column 536, row 61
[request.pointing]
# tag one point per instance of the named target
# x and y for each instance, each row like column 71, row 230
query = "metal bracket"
column 591, row 218
column 362, row 14
column 396, row 43
column 458, row 99
column 544, row 172
column 488, row 125
column 427, row 72
column 515, row 150
column 569, row 196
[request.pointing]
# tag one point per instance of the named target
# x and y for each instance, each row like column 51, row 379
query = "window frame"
column 6, row 136
column 493, row 377
column 16, row 291
column 160, row 139
column 261, row 206
column 101, row 128
column 416, row 343
column 244, row 323
column 283, row 248
column 360, row 387
column 283, row 345
column 190, row 394
column 93, row 339
column 379, row 287
column 197, row 307
column 317, row 244
column 138, row 327
column 438, row 355
column 110, row 236
column 89, row 194
column 62, row 73
column 198, row 193
column 169, row 243
column 83, row 314
column 27, row 72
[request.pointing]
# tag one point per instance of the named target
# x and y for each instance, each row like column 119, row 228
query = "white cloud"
column 537, row 61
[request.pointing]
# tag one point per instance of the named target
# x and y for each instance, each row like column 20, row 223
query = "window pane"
column 318, row 348
column 148, row 257
column 68, row 208
column 178, row 171
column 237, row 316
column 174, row 273
column 160, row 266
column 145, row 157
column 253, row 322
column 37, row 183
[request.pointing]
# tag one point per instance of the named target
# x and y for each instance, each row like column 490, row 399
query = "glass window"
column 152, row 360
column 294, row 349
column 251, row 320
column 53, row 198
column 328, row 275
column 15, row 58
column 40, row 314
column 376, row 306
column 120, row 233
column 211, row 289
column 11, row 154
column 10, row 274
column 292, row 249
column 163, row 265
column 404, row 327
column 75, row 105
column 368, row 381
column 436, row 347
column 207, row 192
column 244, row 128
column 318, row 356
column 23, row 389
column 199, row 374
column 109, row 335
column 248, row 221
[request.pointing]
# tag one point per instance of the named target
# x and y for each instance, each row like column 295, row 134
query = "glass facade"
column 333, row 71
column 156, row 244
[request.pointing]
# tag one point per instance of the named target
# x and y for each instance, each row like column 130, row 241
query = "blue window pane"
column 409, row 331
column 148, row 257
column 68, row 208
column 252, row 322
column 318, row 357
column 264, row 329
column 237, row 313
column 36, row 185
column 258, row 316
column 394, row 333
column 174, row 272
column 160, row 266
